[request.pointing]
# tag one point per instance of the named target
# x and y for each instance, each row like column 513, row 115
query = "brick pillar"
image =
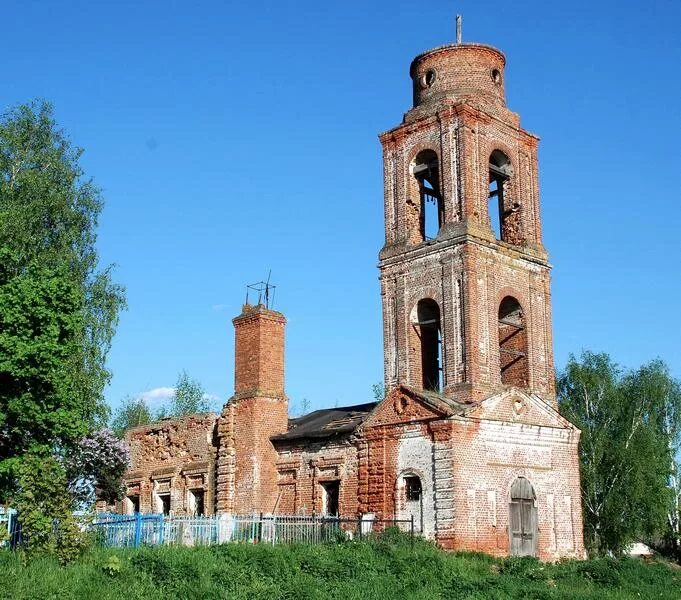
column 247, row 475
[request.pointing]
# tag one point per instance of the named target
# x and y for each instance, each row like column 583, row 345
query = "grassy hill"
column 386, row 568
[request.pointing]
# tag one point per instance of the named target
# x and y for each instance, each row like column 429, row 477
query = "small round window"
column 428, row 79
column 496, row 76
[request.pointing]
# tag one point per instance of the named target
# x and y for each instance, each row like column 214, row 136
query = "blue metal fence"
column 9, row 531
column 156, row 529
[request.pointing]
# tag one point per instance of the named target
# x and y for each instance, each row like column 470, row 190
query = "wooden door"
column 523, row 528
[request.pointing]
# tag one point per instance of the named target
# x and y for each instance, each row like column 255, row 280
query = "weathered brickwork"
column 247, row 474
column 469, row 431
column 175, row 457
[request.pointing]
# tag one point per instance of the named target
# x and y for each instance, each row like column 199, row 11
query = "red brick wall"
column 177, row 454
column 487, row 458
column 304, row 466
column 259, row 352
column 247, row 474
column 462, row 117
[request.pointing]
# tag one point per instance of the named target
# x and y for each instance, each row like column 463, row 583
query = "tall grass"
column 388, row 567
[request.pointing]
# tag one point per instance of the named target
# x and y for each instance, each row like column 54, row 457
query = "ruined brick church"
column 468, row 439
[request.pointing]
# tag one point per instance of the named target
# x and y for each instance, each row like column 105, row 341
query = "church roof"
column 327, row 422
column 438, row 401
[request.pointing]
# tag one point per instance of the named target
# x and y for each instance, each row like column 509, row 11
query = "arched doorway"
column 522, row 519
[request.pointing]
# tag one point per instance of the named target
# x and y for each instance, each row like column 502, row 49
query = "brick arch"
column 418, row 228
column 414, row 150
column 514, row 292
column 514, row 343
column 409, row 471
column 424, row 351
column 508, row 483
column 416, row 298
column 495, row 144
column 513, row 217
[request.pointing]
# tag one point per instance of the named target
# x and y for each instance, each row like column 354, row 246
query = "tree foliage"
column 131, row 413
column 189, row 397
column 58, row 309
column 46, row 509
column 630, row 425
column 95, row 468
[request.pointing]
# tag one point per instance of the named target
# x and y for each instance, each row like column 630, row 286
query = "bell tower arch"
column 465, row 278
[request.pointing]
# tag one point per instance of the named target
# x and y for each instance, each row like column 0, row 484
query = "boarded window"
column 522, row 516
column 513, row 344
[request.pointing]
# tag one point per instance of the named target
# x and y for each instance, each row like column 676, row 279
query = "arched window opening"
column 523, row 528
column 427, row 174
column 501, row 208
column 429, row 343
column 513, row 344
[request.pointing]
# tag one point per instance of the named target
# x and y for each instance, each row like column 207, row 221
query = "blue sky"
column 231, row 138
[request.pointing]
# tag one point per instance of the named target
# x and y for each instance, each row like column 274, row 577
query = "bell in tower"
column 465, row 280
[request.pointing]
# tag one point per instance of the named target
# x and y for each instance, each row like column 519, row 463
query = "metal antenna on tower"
column 458, row 29
column 265, row 291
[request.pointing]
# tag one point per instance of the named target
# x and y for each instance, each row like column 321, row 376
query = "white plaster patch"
column 415, row 457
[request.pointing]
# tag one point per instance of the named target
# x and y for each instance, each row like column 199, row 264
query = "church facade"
column 468, row 439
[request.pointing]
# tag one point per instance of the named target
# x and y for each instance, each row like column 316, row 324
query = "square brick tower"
column 464, row 275
column 247, row 476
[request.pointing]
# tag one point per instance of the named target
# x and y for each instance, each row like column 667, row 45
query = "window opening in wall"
column 331, row 497
column 430, row 336
column 134, row 504
column 500, row 172
column 495, row 201
column 427, row 174
column 196, row 502
column 513, row 344
column 164, row 503
column 412, row 488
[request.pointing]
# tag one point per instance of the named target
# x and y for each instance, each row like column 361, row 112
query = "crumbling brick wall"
column 305, row 465
column 173, row 456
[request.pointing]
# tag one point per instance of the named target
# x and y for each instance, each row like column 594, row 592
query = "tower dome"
column 471, row 72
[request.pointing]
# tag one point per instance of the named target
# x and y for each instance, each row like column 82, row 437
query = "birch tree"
column 630, row 434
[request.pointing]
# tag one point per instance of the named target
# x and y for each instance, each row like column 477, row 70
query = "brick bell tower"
column 465, row 279
column 247, row 476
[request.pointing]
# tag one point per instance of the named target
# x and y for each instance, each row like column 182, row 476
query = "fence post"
column 259, row 531
column 359, row 526
column 412, row 530
column 138, row 529
column 160, row 530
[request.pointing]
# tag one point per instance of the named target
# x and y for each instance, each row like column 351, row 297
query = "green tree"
column 189, row 397
column 58, row 308
column 627, row 446
column 46, row 509
column 378, row 390
column 131, row 413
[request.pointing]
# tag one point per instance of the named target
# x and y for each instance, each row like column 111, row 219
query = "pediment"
column 404, row 405
column 517, row 406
